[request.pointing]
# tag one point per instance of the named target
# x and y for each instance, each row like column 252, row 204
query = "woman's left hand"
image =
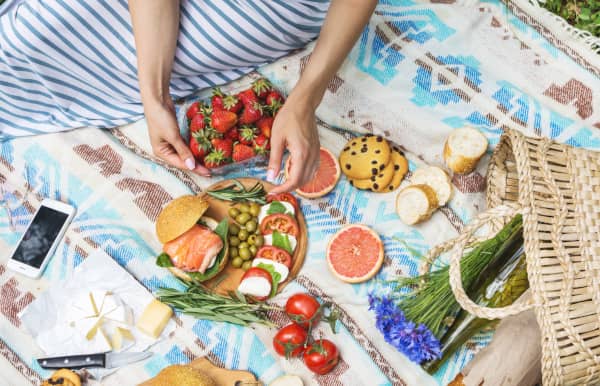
column 294, row 128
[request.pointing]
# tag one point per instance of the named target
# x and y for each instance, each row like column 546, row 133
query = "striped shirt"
column 66, row 64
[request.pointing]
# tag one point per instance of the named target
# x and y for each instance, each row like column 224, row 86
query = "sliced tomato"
column 257, row 272
column 283, row 223
column 287, row 197
column 276, row 254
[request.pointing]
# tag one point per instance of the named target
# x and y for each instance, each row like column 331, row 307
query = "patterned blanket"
column 419, row 71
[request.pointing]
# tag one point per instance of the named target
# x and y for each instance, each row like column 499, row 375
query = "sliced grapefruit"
column 325, row 179
column 355, row 253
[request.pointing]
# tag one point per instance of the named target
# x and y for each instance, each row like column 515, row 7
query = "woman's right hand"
column 167, row 143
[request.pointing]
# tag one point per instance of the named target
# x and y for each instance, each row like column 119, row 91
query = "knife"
column 108, row 360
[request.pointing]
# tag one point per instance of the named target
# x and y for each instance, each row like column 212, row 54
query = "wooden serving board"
column 229, row 279
column 225, row 377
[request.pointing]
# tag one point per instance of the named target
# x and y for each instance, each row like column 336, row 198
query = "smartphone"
column 39, row 241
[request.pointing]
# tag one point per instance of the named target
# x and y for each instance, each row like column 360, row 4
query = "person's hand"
column 294, row 128
column 167, row 143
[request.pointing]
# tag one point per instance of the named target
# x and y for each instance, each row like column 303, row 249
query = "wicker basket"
column 557, row 189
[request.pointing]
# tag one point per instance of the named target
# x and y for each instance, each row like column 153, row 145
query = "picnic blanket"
column 418, row 71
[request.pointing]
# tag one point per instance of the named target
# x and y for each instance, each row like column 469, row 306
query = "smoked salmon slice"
column 195, row 250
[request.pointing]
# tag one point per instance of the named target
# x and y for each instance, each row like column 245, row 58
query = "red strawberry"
column 247, row 135
column 264, row 125
column 214, row 159
column 261, row 87
column 223, row 120
column 273, row 96
column 247, row 96
column 232, row 103
column 217, row 99
column 252, row 112
column 197, row 123
column 242, row 152
column 233, row 134
column 193, row 110
column 261, row 144
column 274, row 102
column 199, row 145
column 225, row 145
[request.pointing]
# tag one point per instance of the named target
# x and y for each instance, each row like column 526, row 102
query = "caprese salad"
column 262, row 241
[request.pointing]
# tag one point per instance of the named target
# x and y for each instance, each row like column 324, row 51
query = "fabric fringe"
column 557, row 23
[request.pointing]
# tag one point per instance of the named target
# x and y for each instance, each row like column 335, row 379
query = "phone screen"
column 39, row 237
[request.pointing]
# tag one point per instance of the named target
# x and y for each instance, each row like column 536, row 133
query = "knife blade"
column 108, row 360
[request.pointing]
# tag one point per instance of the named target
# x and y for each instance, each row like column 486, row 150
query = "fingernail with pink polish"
column 190, row 163
column 271, row 175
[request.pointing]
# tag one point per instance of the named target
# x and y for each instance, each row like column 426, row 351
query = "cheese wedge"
column 120, row 336
column 464, row 148
column 155, row 317
column 416, row 203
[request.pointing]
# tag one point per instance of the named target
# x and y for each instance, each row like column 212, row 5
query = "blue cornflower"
column 416, row 342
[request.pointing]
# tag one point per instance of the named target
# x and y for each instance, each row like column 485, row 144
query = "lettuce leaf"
column 163, row 260
column 282, row 241
column 274, row 275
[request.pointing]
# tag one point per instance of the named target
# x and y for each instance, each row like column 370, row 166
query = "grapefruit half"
column 355, row 253
column 325, row 178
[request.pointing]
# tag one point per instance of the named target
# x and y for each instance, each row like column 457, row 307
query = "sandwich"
column 194, row 245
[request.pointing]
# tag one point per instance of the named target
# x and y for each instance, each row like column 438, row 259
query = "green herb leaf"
column 276, row 207
column 163, row 260
column 222, row 230
column 274, row 275
column 238, row 193
column 282, row 241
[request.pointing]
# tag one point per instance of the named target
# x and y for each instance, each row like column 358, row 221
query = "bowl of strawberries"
column 229, row 129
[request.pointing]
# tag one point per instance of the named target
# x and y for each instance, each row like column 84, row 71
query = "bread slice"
column 464, row 147
column 178, row 216
column 435, row 178
column 416, row 203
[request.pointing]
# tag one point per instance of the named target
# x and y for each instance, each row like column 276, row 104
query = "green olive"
column 234, row 241
column 251, row 225
column 234, row 229
column 253, row 250
column 242, row 218
column 259, row 240
column 237, row 262
column 243, row 244
column 251, row 239
column 247, row 265
column 245, row 253
column 243, row 234
column 233, row 252
column 233, row 212
column 244, row 208
column 254, row 209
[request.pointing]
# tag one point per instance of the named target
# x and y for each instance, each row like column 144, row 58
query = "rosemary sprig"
column 237, row 192
column 199, row 302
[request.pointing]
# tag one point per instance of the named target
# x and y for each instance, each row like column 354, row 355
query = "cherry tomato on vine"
column 290, row 340
column 321, row 356
column 303, row 309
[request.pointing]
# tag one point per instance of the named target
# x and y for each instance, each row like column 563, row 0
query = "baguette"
column 435, row 178
column 416, row 203
column 463, row 149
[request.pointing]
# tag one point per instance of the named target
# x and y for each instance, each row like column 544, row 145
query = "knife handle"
column 74, row 361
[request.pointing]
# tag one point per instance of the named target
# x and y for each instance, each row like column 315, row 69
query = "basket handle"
column 460, row 243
